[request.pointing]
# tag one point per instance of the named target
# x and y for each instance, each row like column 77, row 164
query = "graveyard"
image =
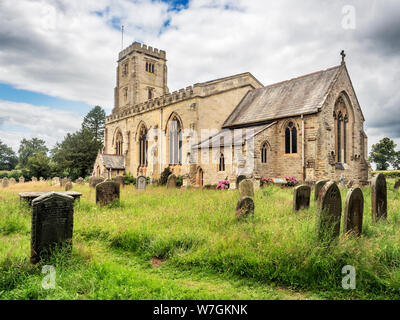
column 189, row 243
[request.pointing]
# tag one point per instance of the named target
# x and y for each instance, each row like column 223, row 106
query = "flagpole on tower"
column 122, row 40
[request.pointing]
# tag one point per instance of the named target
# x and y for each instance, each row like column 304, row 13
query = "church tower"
column 141, row 75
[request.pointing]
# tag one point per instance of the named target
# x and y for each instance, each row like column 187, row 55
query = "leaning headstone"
column 52, row 223
column 119, row 180
column 141, row 183
column 171, row 181
column 12, row 181
column 239, row 179
column 353, row 212
column 329, row 211
column 68, row 186
column 301, row 197
column 94, row 181
column 21, row 179
column 379, row 198
column 107, row 192
column 397, row 185
column 34, row 179
column 245, row 207
column 246, row 188
column 5, row 182
column 318, row 187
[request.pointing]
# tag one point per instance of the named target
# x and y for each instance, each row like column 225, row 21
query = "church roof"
column 302, row 95
column 113, row 161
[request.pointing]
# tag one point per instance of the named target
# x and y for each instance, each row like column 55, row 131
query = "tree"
column 396, row 161
column 39, row 165
column 77, row 153
column 8, row 158
column 29, row 148
column 95, row 121
column 383, row 154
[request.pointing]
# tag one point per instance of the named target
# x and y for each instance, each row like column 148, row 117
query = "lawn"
column 187, row 244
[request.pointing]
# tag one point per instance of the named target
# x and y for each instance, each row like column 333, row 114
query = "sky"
column 58, row 57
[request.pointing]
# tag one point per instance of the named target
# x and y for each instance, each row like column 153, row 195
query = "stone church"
column 310, row 127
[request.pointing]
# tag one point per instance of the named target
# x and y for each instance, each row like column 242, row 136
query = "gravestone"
column 80, row 181
column 171, row 181
column 397, row 185
column 301, row 197
column 329, row 211
column 94, row 181
column 5, row 182
column 64, row 181
column 119, row 180
column 68, row 186
column 41, row 179
column 12, row 181
column 21, row 180
column 353, row 212
column 55, row 181
column 52, row 223
column 141, row 183
column 107, row 192
column 34, row 179
column 318, row 187
column 245, row 207
column 246, row 188
column 379, row 198
column 239, row 179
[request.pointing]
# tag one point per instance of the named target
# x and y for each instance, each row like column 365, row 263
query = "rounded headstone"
column 379, row 198
column 141, row 183
column 301, row 197
column 68, row 186
column 329, row 211
column 21, row 179
column 80, row 181
column 41, row 179
column 5, row 182
column 239, row 179
column 246, row 188
column 245, row 207
column 94, row 181
column 397, row 185
column 34, row 179
column 12, row 181
column 318, row 187
column 353, row 212
column 171, row 181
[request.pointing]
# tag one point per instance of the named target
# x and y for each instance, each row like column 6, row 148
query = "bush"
column 291, row 182
column 129, row 179
column 266, row 181
column 223, row 185
column 179, row 181
column 388, row 174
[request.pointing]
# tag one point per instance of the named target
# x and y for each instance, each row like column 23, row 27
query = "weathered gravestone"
column 239, row 179
column 379, row 198
column 80, row 181
column 64, row 181
column 329, row 211
column 52, row 224
column 94, row 181
column 21, row 180
column 246, row 188
column 301, row 197
column 41, row 179
column 34, row 179
column 12, row 181
column 55, row 181
column 120, row 180
column 68, row 186
column 397, row 185
column 353, row 212
column 318, row 187
column 171, row 181
column 5, row 182
column 107, row 192
column 141, row 183
column 245, row 207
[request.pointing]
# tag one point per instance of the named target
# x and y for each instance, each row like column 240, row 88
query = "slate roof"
column 302, row 95
column 113, row 161
column 232, row 137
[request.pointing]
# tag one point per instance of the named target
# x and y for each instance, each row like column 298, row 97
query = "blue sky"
column 58, row 58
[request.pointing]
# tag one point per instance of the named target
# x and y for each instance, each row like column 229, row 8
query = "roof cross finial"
column 343, row 56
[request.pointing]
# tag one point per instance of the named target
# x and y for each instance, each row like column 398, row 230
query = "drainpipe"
column 160, row 138
column 302, row 148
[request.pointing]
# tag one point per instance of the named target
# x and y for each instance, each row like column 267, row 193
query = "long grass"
column 187, row 244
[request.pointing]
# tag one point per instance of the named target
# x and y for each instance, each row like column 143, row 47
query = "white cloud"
column 62, row 48
column 22, row 120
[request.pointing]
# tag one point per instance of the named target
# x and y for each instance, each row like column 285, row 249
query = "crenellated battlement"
column 164, row 100
column 136, row 46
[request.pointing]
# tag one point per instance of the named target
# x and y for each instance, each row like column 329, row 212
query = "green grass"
column 187, row 244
